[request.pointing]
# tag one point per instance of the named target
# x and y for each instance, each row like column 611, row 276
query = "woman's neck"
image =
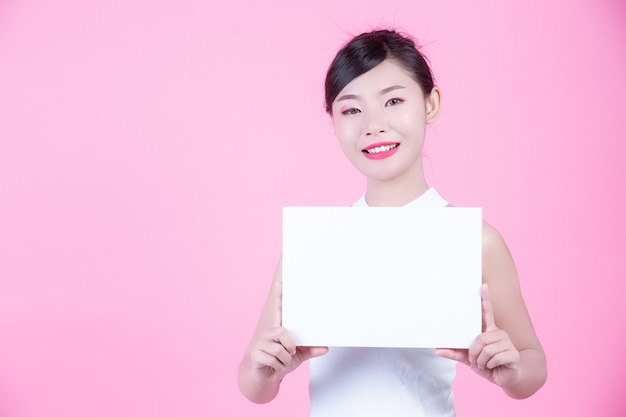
column 395, row 192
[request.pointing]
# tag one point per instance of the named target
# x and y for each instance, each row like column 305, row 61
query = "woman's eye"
column 352, row 110
column 393, row 101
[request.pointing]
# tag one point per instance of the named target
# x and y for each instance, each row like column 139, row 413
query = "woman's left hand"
column 492, row 354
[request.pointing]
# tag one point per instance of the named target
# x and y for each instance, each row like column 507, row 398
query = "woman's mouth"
column 380, row 150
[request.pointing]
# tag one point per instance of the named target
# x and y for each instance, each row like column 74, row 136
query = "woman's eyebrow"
column 382, row 92
column 388, row 89
column 348, row 97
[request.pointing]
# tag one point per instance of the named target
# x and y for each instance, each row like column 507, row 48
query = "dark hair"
column 369, row 49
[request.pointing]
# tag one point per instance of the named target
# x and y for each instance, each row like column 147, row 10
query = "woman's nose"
column 375, row 123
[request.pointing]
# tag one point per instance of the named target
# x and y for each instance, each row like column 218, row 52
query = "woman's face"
column 380, row 119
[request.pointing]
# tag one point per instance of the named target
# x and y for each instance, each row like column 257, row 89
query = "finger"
column 261, row 359
column 509, row 358
column 277, row 351
column 285, row 338
column 459, row 355
column 278, row 304
column 308, row 352
column 483, row 340
column 492, row 350
column 489, row 322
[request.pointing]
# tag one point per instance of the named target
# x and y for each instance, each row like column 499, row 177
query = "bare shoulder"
column 492, row 239
column 500, row 274
column 498, row 265
column 496, row 254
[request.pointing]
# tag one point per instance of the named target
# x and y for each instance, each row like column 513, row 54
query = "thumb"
column 459, row 355
column 308, row 352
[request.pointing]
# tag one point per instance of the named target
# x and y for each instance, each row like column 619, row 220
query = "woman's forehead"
column 380, row 78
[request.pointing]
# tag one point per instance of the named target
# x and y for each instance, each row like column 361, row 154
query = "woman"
column 381, row 95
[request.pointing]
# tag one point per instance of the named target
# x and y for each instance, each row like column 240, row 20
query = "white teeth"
column 384, row 148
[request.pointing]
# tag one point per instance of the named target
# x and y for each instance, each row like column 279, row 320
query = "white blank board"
column 382, row 276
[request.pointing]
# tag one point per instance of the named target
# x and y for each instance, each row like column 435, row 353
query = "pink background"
column 147, row 147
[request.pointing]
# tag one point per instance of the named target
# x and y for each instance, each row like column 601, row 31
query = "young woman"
column 381, row 95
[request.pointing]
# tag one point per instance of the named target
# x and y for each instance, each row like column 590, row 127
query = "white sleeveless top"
column 373, row 382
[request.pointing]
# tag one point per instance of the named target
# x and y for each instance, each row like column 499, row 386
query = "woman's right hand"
column 275, row 353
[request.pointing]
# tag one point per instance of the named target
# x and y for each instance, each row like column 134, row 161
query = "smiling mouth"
column 379, row 149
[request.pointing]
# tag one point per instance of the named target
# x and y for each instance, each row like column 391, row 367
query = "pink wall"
column 147, row 147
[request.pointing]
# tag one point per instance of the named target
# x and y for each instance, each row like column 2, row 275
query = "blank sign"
column 382, row 276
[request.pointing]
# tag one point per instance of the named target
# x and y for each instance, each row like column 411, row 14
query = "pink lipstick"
column 381, row 150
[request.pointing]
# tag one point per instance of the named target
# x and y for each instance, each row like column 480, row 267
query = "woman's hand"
column 272, row 353
column 510, row 356
column 492, row 354
column 275, row 353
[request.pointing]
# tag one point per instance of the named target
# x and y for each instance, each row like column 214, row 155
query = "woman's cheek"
column 343, row 131
column 348, row 129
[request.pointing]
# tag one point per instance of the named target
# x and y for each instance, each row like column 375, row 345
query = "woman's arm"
column 508, row 351
column 272, row 352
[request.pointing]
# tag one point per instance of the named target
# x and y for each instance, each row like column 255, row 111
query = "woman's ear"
column 433, row 105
